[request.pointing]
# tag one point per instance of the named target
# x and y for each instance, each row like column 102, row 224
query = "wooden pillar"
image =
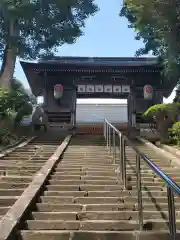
column 132, row 110
column 129, row 112
column 74, row 108
column 45, row 95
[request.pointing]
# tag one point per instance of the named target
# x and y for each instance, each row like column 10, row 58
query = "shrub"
column 175, row 132
column 165, row 115
column 14, row 105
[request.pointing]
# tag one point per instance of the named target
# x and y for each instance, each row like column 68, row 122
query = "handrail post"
column 114, row 147
column 139, row 192
column 124, row 163
column 120, row 156
column 109, row 136
column 172, row 213
column 105, row 129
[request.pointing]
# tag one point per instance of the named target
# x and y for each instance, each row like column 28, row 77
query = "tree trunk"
column 162, row 128
column 7, row 69
column 10, row 55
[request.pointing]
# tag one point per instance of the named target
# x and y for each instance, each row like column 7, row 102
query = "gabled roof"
column 86, row 65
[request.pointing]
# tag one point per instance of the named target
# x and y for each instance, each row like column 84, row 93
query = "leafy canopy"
column 157, row 24
column 170, row 109
column 15, row 101
column 37, row 27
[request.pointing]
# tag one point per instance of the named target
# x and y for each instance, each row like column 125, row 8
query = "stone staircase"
column 84, row 198
column 17, row 170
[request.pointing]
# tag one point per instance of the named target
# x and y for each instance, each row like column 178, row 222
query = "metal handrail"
column 110, row 132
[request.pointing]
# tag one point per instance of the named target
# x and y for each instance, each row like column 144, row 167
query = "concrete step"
column 82, row 225
column 101, row 215
column 99, row 200
column 95, row 225
column 85, row 187
column 11, row 192
column 116, row 193
column 49, row 207
column 93, row 235
column 84, row 198
column 79, row 182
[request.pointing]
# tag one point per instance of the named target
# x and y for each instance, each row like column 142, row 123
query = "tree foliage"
column 175, row 133
column 15, row 102
column 177, row 96
column 157, row 23
column 33, row 28
column 165, row 115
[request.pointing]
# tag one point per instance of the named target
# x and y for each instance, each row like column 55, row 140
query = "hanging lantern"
column 58, row 91
column 148, row 92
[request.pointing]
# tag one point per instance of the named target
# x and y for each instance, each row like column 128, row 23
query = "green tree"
column 15, row 103
column 157, row 24
column 165, row 115
column 30, row 29
column 177, row 96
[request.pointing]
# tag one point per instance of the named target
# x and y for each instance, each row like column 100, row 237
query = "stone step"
column 11, row 192
column 116, row 193
column 11, row 185
column 85, row 196
column 70, row 207
column 103, row 200
column 92, row 235
column 18, row 172
column 21, row 167
column 79, row 182
column 6, row 201
column 82, row 225
column 101, row 215
column 95, row 225
column 89, row 173
column 14, row 180
column 84, row 187
column 4, row 210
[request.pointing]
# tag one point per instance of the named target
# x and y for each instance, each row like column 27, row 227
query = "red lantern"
column 58, row 91
column 148, row 92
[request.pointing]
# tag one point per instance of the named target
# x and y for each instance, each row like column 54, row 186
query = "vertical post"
column 129, row 112
column 121, row 156
column 139, row 192
column 74, row 107
column 172, row 213
column 107, row 136
column 114, row 147
column 109, row 132
column 45, row 100
column 124, row 162
column 105, row 129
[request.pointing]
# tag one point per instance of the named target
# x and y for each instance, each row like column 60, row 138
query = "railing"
column 110, row 133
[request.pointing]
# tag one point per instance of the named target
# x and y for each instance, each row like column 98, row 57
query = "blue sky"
column 105, row 35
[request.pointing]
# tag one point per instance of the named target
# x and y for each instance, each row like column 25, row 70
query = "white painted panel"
column 117, row 89
column 125, row 88
column 81, row 88
column 108, row 88
column 99, row 88
column 95, row 113
column 90, row 88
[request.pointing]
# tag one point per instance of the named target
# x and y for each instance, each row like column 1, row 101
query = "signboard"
column 117, row 89
column 108, row 88
column 99, row 88
column 148, row 92
column 125, row 89
column 81, row 88
column 90, row 88
column 58, row 91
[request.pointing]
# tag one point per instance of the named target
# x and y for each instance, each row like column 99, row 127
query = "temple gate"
column 64, row 79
